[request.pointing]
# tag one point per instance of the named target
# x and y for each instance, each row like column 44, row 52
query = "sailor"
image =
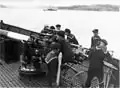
column 49, row 30
column 70, row 37
column 45, row 29
column 52, row 61
column 58, row 27
column 96, row 58
column 65, row 48
column 95, row 39
column 52, row 30
column 28, row 49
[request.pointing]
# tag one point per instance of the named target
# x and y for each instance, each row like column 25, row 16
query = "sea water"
column 81, row 23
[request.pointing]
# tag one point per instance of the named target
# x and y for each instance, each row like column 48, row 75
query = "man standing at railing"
column 96, row 58
column 95, row 39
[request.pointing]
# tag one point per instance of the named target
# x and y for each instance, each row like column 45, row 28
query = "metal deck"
column 9, row 77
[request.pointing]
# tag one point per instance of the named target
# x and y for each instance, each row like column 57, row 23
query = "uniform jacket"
column 94, row 41
column 72, row 39
column 66, row 50
column 50, row 56
column 96, row 58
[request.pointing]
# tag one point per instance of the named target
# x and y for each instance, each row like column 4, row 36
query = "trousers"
column 94, row 73
column 52, row 70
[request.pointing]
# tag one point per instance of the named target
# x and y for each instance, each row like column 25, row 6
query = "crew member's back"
column 65, row 48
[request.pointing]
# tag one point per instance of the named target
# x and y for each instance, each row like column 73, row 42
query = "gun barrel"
column 13, row 35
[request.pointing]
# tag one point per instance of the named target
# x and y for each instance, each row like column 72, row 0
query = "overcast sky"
column 59, row 2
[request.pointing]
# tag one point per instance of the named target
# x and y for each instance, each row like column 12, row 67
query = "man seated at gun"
column 70, row 37
column 96, row 58
column 28, row 49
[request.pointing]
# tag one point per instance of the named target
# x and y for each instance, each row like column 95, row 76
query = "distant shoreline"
column 97, row 7
column 86, row 10
column 94, row 7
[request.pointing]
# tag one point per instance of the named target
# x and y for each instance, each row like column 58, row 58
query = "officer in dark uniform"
column 96, row 58
column 95, row 39
column 70, row 37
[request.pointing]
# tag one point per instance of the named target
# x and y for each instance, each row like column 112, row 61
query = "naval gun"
column 23, row 38
column 37, row 49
